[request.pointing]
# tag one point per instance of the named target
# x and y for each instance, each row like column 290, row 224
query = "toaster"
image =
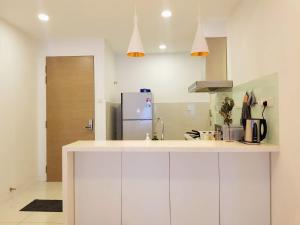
column 237, row 133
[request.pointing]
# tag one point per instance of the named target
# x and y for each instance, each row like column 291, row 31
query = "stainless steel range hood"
column 211, row 86
column 215, row 79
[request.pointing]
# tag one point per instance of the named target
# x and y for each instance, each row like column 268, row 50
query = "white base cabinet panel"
column 194, row 189
column 161, row 188
column 145, row 189
column 97, row 188
column 245, row 189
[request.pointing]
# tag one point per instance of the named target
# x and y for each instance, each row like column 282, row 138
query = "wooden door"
column 70, row 106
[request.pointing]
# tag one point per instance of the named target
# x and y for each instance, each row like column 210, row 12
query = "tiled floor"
column 9, row 210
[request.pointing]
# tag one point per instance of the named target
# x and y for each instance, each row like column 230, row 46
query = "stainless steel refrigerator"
column 137, row 114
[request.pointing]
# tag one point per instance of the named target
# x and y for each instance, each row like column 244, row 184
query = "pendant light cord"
column 265, row 104
column 135, row 20
column 199, row 13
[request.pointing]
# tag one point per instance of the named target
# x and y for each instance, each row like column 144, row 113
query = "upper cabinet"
column 216, row 61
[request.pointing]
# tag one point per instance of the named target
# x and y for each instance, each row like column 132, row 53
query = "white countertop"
column 167, row 146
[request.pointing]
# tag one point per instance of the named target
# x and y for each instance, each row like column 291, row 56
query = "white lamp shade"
column 135, row 48
column 200, row 47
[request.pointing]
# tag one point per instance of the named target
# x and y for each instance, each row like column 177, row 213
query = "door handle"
column 90, row 125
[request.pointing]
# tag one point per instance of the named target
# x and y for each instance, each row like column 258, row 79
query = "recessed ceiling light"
column 43, row 17
column 166, row 13
column 162, row 47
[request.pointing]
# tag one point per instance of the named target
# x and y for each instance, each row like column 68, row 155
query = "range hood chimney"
column 215, row 79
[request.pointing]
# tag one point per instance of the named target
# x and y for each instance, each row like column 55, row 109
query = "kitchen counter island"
column 167, row 146
column 166, row 183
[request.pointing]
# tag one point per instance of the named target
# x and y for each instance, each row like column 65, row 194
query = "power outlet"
column 12, row 189
column 261, row 101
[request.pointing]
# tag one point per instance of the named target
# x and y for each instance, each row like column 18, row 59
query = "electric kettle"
column 255, row 131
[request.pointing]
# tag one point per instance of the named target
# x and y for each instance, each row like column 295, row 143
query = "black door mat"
column 44, row 206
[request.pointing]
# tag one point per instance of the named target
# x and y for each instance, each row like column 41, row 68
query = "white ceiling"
column 113, row 19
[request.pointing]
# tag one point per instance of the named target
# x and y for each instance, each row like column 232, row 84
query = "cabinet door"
column 145, row 189
column 97, row 188
column 245, row 189
column 194, row 188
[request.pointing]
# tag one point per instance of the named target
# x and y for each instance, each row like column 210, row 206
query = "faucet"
column 162, row 128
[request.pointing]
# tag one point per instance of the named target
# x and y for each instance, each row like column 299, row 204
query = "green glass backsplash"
column 264, row 88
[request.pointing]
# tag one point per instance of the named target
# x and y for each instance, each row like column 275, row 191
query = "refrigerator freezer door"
column 137, row 106
column 136, row 129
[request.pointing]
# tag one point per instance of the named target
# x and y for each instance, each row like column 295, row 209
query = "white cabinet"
column 177, row 188
column 145, row 189
column 194, row 188
column 244, row 189
column 97, row 188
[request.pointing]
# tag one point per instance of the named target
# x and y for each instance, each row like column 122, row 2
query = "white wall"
column 264, row 38
column 215, row 27
column 109, row 73
column 73, row 47
column 18, row 101
column 167, row 75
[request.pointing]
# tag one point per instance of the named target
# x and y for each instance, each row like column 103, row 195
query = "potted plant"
column 226, row 112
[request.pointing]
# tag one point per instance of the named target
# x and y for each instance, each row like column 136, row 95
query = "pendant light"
column 200, row 47
column 135, row 48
